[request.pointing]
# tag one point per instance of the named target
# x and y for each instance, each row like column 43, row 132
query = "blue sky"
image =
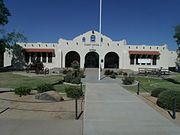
column 148, row 22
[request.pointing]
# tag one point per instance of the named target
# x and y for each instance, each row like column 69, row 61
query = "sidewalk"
column 40, row 127
column 111, row 110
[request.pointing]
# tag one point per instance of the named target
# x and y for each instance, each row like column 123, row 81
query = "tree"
column 177, row 38
column 9, row 40
column 4, row 13
column 177, row 35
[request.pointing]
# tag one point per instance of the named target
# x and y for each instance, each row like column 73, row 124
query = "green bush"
column 120, row 72
column 165, row 99
column 155, row 92
column 76, row 80
column 125, row 74
column 75, row 65
column 66, row 71
column 68, row 78
column 107, row 72
column 45, row 87
column 73, row 92
column 128, row 80
column 113, row 75
column 81, row 74
column 23, row 91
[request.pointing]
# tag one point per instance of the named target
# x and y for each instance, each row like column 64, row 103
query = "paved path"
column 112, row 110
column 40, row 127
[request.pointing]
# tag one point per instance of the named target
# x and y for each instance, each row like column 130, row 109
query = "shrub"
column 166, row 97
column 113, row 75
column 45, row 87
column 128, row 80
column 125, row 74
column 23, row 91
column 66, row 71
column 76, row 80
column 155, row 92
column 107, row 72
column 120, row 72
column 68, row 78
column 75, row 65
column 81, row 74
column 73, row 92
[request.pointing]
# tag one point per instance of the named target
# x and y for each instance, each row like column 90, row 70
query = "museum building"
column 90, row 49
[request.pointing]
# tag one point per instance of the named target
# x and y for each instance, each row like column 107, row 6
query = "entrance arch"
column 70, row 57
column 111, row 60
column 92, row 60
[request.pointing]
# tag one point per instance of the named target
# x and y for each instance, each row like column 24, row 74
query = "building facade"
column 90, row 49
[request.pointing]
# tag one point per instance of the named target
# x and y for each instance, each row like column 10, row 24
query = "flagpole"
column 100, row 23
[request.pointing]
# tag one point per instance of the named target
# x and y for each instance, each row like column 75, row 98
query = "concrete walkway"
column 40, row 127
column 112, row 110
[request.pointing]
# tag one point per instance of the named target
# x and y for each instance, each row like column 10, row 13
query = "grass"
column 149, row 84
column 10, row 80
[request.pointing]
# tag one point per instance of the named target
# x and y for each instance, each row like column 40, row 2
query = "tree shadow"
column 172, row 80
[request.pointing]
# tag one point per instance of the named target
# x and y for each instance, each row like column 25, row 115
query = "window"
column 83, row 39
column 131, row 59
column 137, row 57
column 143, row 47
column 129, row 47
column 49, row 57
column 101, row 39
column 136, row 47
column 154, row 60
column 26, row 57
column 93, row 38
column 38, row 57
column 32, row 57
column 44, row 57
column 149, row 57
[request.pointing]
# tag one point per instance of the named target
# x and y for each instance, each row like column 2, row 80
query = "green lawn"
column 148, row 84
column 10, row 80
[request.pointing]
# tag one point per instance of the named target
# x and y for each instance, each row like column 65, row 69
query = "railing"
column 174, row 109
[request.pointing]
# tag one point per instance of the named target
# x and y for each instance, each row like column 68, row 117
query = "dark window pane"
column 154, row 60
column 93, row 38
column 131, row 59
column 49, row 57
column 26, row 57
column 32, row 57
column 44, row 57
column 38, row 57
column 83, row 39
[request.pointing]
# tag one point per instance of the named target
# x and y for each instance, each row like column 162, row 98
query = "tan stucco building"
column 89, row 52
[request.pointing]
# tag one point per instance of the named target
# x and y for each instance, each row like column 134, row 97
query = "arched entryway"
column 70, row 57
column 92, row 60
column 111, row 60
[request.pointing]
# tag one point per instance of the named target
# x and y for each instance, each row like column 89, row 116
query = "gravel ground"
column 29, row 108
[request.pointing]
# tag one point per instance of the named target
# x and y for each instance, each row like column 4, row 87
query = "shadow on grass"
column 172, row 80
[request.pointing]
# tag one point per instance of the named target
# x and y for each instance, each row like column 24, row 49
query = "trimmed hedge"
column 45, row 87
column 165, row 99
column 73, row 92
column 23, row 91
column 155, row 92
column 128, row 80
